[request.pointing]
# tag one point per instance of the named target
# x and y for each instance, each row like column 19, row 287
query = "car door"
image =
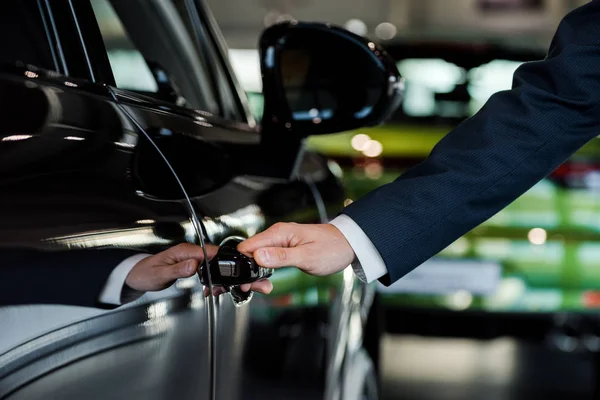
column 172, row 83
column 84, row 189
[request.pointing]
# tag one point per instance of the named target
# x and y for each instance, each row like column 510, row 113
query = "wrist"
column 348, row 253
column 132, row 281
column 367, row 263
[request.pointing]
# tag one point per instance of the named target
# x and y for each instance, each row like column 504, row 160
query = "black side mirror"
column 320, row 79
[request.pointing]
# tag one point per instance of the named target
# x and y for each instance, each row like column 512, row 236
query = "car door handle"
column 232, row 268
column 229, row 269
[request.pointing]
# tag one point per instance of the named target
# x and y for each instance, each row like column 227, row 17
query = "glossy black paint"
column 69, row 180
column 202, row 147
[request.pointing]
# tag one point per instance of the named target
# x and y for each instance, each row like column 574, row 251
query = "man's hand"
column 319, row 249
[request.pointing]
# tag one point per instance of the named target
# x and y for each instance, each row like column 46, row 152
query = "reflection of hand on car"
column 141, row 273
column 159, row 271
column 96, row 277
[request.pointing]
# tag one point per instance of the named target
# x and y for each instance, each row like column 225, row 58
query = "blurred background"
column 516, row 316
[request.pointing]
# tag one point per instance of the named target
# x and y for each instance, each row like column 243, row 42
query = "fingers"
column 246, row 287
column 263, row 286
column 277, row 235
column 183, row 269
column 276, row 257
column 185, row 251
column 182, row 261
column 217, row 291
column 211, row 250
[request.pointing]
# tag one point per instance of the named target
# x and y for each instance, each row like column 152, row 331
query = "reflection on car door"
column 83, row 190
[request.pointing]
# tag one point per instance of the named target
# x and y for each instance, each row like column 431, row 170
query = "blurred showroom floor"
column 415, row 368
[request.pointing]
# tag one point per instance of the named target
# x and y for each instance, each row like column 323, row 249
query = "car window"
column 246, row 65
column 129, row 67
column 229, row 99
column 152, row 49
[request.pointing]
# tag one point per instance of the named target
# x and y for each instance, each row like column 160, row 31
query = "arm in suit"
column 514, row 141
column 75, row 277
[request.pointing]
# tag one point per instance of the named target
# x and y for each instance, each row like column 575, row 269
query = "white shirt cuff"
column 368, row 260
column 112, row 293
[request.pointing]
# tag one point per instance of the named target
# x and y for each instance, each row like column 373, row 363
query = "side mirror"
column 320, row 79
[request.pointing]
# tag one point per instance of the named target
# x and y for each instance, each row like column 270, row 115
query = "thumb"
column 276, row 257
column 185, row 251
column 183, row 269
column 277, row 235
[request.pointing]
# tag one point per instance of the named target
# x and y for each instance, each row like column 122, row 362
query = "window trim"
column 94, row 42
column 68, row 40
column 80, row 36
column 220, row 47
column 95, row 56
column 91, row 40
column 52, row 37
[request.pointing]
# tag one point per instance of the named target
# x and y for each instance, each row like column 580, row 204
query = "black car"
column 123, row 130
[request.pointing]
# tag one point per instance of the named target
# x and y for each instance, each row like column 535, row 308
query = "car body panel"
column 71, row 183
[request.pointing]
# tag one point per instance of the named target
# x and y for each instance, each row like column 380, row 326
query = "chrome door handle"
column 232, row 268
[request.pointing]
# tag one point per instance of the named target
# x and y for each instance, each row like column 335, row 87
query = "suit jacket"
column 518, row 138
column 74, row 277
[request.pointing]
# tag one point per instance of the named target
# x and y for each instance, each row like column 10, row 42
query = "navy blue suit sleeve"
column 75, row 277
column 518, row 138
